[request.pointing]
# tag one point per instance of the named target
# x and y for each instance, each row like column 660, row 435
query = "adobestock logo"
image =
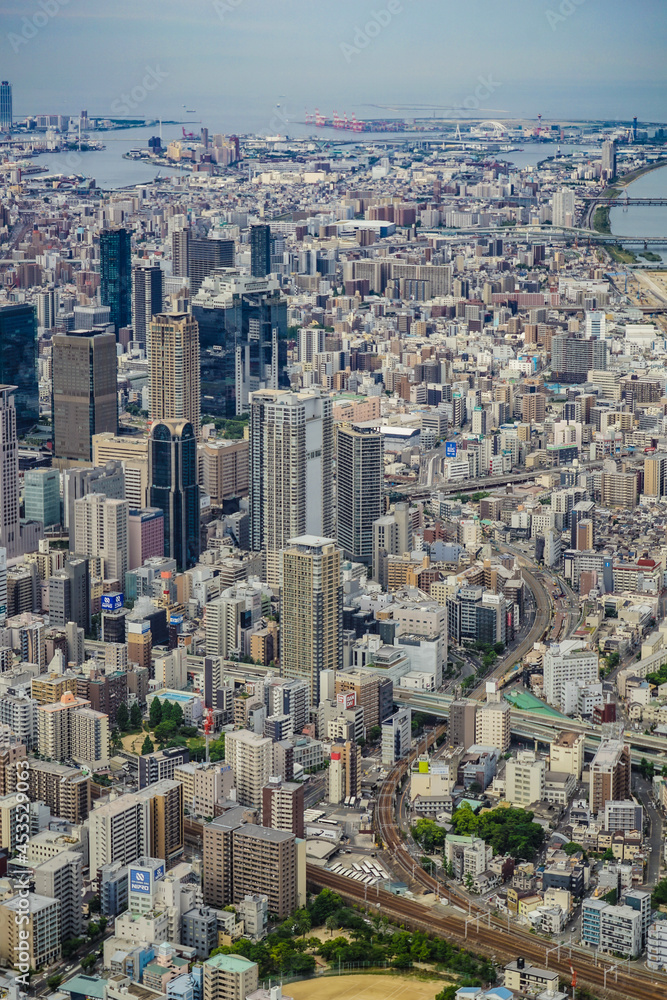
column 33, row 25
column 127, row 103
column 364, row 35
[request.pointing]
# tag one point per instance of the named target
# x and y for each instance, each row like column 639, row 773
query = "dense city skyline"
column 333, row 500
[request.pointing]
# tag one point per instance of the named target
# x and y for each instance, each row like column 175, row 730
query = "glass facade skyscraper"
column 116, row 275
column 6, row 112
column 172, row 475
column 260, row 251
column 18, row 362
column 242, row 340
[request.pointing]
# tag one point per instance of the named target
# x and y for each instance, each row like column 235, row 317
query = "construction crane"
column 574, row 980
column 618, row 274
column 208, row 727
column 188, row 135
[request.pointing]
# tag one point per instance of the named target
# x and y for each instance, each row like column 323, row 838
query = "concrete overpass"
column 531, row 726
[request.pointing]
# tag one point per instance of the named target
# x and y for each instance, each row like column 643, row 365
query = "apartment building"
column 35, row 939
column 267, row 862
column 251, row 758
column 492, row 725
column 525, row 779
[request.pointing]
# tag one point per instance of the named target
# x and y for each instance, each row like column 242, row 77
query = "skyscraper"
column 291, row 456
column 195, row 258
column 243, row 339
column 101, row 530
column 42, row 496
column 6, row 113
column 69, row 594
column 359, row 476
column 116, row 275
column 609, row 160
column 311, row 610
column 260, row 251
column 147, row 297
column 173, row 358
column 563, row 208
column 172, row 475
column 84, row 391
column 18, row 362
column 10, row 527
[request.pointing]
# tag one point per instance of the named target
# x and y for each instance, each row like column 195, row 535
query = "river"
column 643, row 220
column 107, row 165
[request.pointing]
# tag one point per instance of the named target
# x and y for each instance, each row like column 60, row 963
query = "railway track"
column 539, row 628
column 491, row 939
column 480, row 930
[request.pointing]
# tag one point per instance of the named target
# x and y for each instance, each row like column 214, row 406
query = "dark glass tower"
column 18, row 362
column 260, row 251
column 242, row 340
column 6, row 113
column 172, row 475
column 116, row 275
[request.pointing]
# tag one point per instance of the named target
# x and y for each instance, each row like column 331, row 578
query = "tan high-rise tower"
column 173, row 360
column 311, row 610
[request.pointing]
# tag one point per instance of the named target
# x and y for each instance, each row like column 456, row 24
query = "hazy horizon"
column 232, row 62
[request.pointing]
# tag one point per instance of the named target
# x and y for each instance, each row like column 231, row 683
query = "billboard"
column 347, row 699
column 140, row 880
column 158, row 873
column 112, row 602
column 450, row 449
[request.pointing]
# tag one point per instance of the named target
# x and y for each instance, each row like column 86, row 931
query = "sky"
column 257, row 65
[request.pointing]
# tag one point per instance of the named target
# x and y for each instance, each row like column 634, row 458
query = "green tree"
column 646, row 769
column 659, row 897
column 374, row 734
column 155, row 714
column 93, row 929
column 147, row 746
column 165, row 730
column 95, row 905
column 176, row 714
column 54, row 981
column 429, row 834
column 123, row 718
column 217, row 748
column 608, row 855
column 88, row 962
column 135, row 716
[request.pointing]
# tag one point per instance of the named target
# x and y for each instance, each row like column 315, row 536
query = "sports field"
column 367, row 987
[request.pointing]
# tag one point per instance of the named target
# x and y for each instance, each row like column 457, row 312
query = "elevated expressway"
column 532, row 726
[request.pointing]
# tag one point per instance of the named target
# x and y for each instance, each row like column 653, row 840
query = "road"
column 642, row 790
column 540, row 624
